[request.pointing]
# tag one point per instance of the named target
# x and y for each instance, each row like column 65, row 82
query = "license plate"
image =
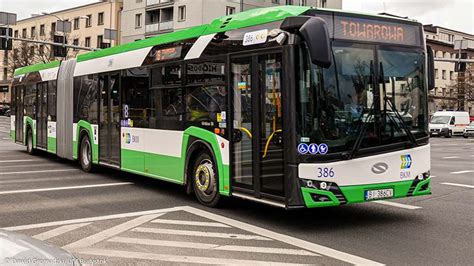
column 378, row 194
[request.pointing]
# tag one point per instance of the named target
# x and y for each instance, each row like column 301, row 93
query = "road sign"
column 63, row 26
column 7, row 18
column 110, row 34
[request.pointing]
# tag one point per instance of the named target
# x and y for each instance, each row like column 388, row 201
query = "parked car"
column 469, row 131
column 448, row 123
column 4, row 108
column 17, row 249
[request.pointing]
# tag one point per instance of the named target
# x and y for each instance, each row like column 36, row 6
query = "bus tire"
column 85, row 154
column 205, row 180
column 29, row 141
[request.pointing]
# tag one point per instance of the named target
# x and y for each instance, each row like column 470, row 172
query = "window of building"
column 33, row 32
column 230, row 10
column 87, row 42
column 451, row 92
column 443, row 75
column 89, row 21
column 76, row 23
column 16, row 34
column 138, row 20
column 100, row 19
column 23, row 33
column 451, row 75
column 42, row 30
column 304, row 2
column 289, row 2
column 100, row 40
column 182, row 13
column 436, row 73
column 76, row 43
column 53, row 27
column 41, row 49
column 324, row 3
column 444, row 91
column 275, row 1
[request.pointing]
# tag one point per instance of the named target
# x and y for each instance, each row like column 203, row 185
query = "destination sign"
column 360, row 29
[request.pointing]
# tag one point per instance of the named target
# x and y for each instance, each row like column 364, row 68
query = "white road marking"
column 111, row 232
column 90, row 219
column 152, row 242
column 462, row 172
column 312, row 247
column 59, row 231
column 451, row 157
column 433, row 176
column 4, row 132
column 198, row 233
column 64, row 188
column 176, row 258
column 177, row 222
column 457, row 185
column 38, row 172
column 35, row 180
column 339, row 255
column 5, row 138
column 20, row 161
column 395, row 204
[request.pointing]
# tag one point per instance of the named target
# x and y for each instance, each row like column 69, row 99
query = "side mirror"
column 431, row 68
column 315, row 33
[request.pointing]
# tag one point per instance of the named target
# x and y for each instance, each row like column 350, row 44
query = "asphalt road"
column 123, row 218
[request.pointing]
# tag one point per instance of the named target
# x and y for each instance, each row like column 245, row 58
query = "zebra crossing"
column 181, row 235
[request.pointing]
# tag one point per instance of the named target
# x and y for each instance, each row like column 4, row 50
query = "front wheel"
column 29, row 142
column 86, row 154
column 205, row 180
column 449, row 134
column 465, row 136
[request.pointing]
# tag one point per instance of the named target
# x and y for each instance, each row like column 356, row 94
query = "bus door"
column 19, row 112
column 109, row 119
column 42, row 115
column 258, row 163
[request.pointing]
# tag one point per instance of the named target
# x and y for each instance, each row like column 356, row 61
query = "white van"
column 448, row 123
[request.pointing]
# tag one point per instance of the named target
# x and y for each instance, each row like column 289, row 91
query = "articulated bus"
column 290, row 106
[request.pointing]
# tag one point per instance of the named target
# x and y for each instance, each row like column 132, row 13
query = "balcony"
column 159, row 27
column 153, row 3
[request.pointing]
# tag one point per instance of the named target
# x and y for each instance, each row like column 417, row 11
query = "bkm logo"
column 406, row 161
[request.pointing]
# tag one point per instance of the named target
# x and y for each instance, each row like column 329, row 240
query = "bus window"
column 136, row 96
column 167, row 109
column 30, row 101
column 205, row 104
column 85, row 99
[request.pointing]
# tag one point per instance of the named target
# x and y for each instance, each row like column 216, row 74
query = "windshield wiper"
column 362, row 128
column 394, row 109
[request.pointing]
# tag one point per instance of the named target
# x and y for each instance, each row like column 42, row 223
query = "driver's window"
column 453, row 121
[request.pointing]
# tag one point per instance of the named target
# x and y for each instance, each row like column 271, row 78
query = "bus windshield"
column 377, row 90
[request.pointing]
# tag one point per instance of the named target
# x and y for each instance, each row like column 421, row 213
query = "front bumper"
column 335, row 196
column 439, row 132
column 469, row 133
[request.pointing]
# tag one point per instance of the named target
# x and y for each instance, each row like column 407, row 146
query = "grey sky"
column 454, row 14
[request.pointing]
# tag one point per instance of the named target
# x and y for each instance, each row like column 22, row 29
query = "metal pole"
column 52, row 43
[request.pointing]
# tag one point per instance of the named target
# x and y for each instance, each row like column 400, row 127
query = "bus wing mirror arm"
column 315, row 32
column 431, row 68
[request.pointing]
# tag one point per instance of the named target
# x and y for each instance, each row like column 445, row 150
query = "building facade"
column 147, row 18
column 445, row 96
column 88, row 23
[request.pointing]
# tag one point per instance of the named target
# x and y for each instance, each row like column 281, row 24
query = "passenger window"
column 453, row 120
column 167, row 108
column 136, row 96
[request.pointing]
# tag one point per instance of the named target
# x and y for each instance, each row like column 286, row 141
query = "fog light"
column 421, row 177
column 323, row 185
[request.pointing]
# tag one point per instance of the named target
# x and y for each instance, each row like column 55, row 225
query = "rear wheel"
column 465, row 136
column 29, row 142
column 85, row 157
column 205, row 180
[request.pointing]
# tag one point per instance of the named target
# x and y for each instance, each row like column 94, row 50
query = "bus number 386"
column 325, row 172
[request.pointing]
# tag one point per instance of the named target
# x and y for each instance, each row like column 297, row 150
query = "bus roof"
column 248, row 18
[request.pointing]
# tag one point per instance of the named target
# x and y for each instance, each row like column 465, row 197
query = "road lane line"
column 64, row 188
column 462, row 172
column 176, row 258
column 195, row 245
column 198, row 233
column 111, row 232
column 38, row 172
column 90, row 219
column 21, row 161
column 35, row 180
column 451, row 157
column 433, row 176
column 457, row 185
column 4, row 132
column 395, row 204
column 178, row 222
column 59, row 231
column 319, row 249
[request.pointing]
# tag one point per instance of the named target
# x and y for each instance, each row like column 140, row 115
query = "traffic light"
column 59, row 51
column 4, row 43
column 460, row 67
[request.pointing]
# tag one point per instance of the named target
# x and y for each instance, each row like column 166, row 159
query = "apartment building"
column 445, row 94
column 147, row 18
column 88, row 23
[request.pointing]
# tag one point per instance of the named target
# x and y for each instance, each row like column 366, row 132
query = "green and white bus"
column 291, row 106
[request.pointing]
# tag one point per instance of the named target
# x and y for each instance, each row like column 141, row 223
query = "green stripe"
column 36, row 68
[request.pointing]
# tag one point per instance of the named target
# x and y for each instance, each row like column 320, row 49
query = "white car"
column 448, row 123
column 469, row 131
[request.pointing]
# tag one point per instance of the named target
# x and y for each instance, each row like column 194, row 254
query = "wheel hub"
column 204, row 177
